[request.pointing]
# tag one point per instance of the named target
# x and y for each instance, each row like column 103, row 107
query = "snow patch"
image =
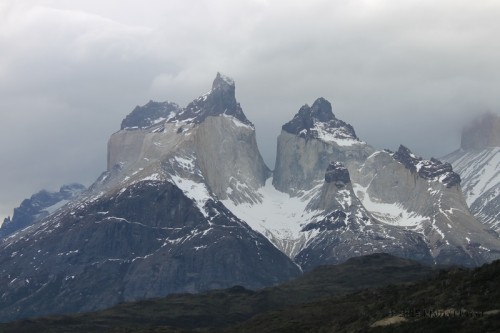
column 480, row 175
column 335, row 135
column 389, row 213
column 278, row 216
column 196, row 191
column 56, row 206
column 237, row 122
column 184, row 162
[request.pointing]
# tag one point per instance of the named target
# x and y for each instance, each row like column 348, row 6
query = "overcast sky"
column 410, row 72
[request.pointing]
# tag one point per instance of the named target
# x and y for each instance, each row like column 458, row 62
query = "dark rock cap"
column 432, row 169
column 304, row 122
column 337, row 172
column 221, row 100
column 322, row 110
column 406, row 157
column 149, row 114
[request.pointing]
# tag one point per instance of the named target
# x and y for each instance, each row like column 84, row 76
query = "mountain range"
column 187, row 204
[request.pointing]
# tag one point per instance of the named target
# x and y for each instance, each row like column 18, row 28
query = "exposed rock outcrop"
column 150, row 114
column 337, row 173
column 432, row 169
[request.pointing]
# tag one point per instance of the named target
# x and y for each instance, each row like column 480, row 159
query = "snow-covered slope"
column 479, row 170
column 480, row 173
column 478, row 163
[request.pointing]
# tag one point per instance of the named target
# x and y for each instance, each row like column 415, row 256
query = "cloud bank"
column 410, row 72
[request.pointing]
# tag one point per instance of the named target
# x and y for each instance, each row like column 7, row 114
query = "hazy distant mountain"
column 187, row 204
column 478, row 163
column 38, row 206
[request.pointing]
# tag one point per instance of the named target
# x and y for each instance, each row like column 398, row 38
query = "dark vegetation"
column 349, row 297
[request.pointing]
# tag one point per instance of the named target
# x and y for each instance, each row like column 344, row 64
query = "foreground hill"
column 222, row 309
column 456, row 300
column 367, row 294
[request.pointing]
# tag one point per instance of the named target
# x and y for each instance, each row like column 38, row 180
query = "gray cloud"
column 410, row 72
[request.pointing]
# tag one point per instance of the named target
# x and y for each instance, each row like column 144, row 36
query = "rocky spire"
column 221, row 100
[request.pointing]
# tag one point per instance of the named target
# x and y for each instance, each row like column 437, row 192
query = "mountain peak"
column 221, row 100
column 222, row 97
column 223, row 82
column 319, row 122
column 322, row 110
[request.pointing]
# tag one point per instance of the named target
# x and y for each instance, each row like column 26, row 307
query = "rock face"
column 400, row 196
column 478, row 163
column 39, row 206
column 309, row 142
column 211, row 136
column 346, row 227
